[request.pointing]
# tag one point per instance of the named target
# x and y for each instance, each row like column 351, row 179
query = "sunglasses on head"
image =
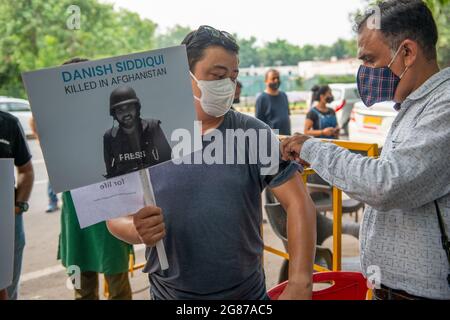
column 210, row 32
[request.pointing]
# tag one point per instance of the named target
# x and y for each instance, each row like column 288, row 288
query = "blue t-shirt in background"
column 274, row 111
column 213, row 217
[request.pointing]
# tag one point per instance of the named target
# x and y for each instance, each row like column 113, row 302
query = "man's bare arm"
column 124, row 229
column 301, row 229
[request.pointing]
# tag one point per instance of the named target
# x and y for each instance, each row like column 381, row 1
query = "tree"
column 280, row 52
column 172, row 37
column 35, row 35
column 441, row 13
column 437, row 6
column 443, row 23
column 344, row 49
column 248, row 54
column 308, row 52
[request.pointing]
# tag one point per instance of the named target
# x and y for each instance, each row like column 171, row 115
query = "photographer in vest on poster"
column 136, row 143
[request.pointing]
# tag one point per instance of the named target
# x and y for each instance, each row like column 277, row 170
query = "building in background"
column 297, row 80
column 333, row 67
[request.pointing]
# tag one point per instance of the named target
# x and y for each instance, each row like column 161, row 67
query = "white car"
column 371, row 125
column 345, row 96
column 20, row 109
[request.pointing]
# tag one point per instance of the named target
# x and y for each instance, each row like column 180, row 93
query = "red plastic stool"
column 345, row 286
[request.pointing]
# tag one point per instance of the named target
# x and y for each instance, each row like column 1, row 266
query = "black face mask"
column 275, row 85
column 329, row 99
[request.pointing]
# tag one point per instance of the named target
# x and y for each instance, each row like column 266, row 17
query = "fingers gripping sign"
column 156, row 230
column 149, row 224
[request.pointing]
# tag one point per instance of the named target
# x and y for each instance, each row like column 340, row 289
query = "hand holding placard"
column 152, row 225
column 127, row 106
column 149, row 224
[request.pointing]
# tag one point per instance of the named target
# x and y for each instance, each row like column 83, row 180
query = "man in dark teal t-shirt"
column 272, row 106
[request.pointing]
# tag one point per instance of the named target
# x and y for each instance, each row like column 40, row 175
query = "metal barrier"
column 372, row 151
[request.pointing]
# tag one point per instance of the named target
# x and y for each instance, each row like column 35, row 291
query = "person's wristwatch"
column 23, row 206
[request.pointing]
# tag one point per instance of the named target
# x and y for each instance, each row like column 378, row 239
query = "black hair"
column 239, row 84
column 318, row 91
column 204, row 37
column 270, row 71
column 75, row 60
column 404, row 19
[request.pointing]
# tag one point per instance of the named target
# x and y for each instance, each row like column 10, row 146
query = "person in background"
column 237, row 94
column 52, row 197
column 52, row 200
column 13, row 144
column 94, row 250
column 272, row 106
column 321, row 121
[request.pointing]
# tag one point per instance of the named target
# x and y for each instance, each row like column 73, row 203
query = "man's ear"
column 409, row 52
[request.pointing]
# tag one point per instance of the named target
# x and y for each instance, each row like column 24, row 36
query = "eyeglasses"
column 211, row 32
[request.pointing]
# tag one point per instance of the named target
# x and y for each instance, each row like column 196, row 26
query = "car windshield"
column 337, row 94
column 18, row 107
column 352, row 94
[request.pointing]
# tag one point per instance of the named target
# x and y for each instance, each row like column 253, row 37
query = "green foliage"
column 281, row 52
column 307, row 84
column 441, row 13
column 249, row 53
column 325, row 80
column 35, row 35
column 437, row 6
column 172, row 37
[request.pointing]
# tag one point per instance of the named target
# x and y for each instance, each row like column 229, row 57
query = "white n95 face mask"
column 217, row 95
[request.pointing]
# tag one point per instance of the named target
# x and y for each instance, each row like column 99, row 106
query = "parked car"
column 371, row 125
column 345, row 96
column 20, row 109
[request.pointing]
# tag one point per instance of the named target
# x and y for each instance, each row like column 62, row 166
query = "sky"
column 298, row 21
